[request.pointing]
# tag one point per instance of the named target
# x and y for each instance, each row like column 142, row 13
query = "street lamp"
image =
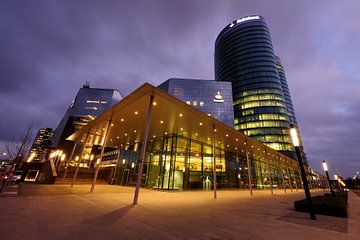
column 325, row 167
column 296, row 143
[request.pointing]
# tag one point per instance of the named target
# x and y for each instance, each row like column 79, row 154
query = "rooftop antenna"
column 87, row 84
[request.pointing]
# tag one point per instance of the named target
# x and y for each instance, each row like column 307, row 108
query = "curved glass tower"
column 284, row 85
column 244, row 55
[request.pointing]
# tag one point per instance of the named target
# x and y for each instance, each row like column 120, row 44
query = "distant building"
column 38, row 149
column 209, row 96
column 87, row 105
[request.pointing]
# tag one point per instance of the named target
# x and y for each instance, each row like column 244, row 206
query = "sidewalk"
column 62, row 212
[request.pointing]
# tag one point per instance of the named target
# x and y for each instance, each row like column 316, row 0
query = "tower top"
column 87, row 84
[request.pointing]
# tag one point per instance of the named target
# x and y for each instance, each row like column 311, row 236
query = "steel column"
column 143, row 150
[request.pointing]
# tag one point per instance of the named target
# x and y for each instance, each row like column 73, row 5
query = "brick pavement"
column 61, row 212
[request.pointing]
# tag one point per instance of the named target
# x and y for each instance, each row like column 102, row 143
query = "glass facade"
column 209, row 96
column 244, row 55
column 289, row 105
column 88, row 104
column 176, row 162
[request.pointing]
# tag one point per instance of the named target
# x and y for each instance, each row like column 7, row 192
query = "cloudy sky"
column 48, row 49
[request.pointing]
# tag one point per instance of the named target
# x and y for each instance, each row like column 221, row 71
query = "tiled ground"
column 61, row 212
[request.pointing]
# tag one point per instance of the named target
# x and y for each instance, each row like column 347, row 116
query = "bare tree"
column 19, row 145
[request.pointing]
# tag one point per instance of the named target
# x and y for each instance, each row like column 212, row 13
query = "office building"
column 87, row 105
column 244, row 55
column 39, row 147
column 182, row 148
column 288, row 102
column 211, row 97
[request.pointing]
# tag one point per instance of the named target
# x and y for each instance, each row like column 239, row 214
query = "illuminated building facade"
column 38, row 149
column 87, row 105
column 288, row 101
column 209, row 96
column 182, row 146
column 244, row 55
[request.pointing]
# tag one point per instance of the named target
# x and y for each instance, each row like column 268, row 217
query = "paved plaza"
column 62, row 212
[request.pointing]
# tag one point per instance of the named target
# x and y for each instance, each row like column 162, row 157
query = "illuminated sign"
column 248, row 18
column 218, row 97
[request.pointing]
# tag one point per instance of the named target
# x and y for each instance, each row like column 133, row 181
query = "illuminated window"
column 201, row 103
column 262, row 104
column 194, row 103
column 188, row 102
column 263, row 124
column 96, row 101
column 91, row 108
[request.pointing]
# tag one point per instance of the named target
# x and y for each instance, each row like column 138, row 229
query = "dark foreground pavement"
column 61, row 212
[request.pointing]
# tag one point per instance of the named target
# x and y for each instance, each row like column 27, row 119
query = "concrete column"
column 143, row 150
column 108, row 127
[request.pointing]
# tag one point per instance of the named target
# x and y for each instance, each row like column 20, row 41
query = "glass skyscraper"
column 263, row 110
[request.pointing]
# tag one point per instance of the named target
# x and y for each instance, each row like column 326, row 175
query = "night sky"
column 48, row 49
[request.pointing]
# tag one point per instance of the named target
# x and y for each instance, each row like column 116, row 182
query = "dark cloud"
column 50, row 48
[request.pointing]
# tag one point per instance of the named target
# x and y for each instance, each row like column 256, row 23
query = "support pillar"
column 108, row 126
column 288, row 172
column 270, row 174
column 214, row 163
column 248, row 167
column 143, row 150
column 282, row 174
column 69, row 160
column 78, row 164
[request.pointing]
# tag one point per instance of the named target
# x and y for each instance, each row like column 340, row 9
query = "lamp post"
column 338, row 181
column 296, row 143
column 325, row 167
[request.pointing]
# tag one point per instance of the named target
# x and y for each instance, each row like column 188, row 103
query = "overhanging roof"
column 169, row 116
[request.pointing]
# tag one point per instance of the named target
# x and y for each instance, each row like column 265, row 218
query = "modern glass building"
column 288, row 101
column 38, row 149
column 87, row 105
column 244, row 55
column 184, row 148
column 209, row 96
